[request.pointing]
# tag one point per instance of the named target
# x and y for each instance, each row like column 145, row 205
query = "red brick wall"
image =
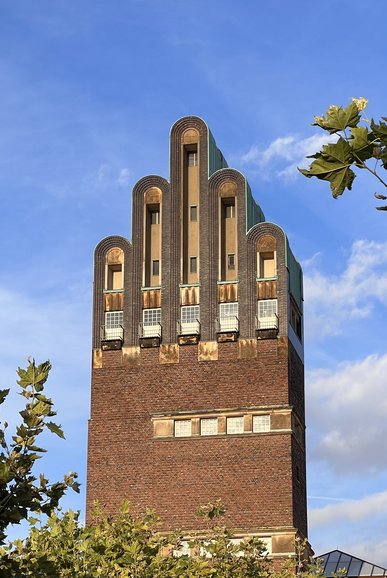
column 254, row 475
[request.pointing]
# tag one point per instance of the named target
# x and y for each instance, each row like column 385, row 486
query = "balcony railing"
column 262, row 323
column 145, row 331
column 188, row 328
column 112, row 333
column 228, row 324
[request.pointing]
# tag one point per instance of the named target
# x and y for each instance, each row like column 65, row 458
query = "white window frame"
column 209, row 426
column 190, row 319
column 113, row 324
column 267, row 313
column 151, row 321
column 261, row 423
column 183, row 428
column 228, row 316
column 235, row 425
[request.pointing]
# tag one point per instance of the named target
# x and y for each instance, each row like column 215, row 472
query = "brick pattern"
column 260, row 478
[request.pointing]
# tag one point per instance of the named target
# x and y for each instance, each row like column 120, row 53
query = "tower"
column 197, row 372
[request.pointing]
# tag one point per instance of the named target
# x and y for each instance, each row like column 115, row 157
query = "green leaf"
column 3, row 394
column 338, row 118
column 56, row 429
column 4, row 473
column 361, row 142
column 333, row 164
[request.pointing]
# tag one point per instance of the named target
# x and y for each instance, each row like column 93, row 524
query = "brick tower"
column 198, row 376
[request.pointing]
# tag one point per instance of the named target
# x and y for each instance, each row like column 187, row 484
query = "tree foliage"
column 21, row 491
column 360, row 142
column 126, row 546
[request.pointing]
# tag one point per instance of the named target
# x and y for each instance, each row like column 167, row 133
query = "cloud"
column 283, row 155
column 353, row 527
column 348, row 410
column 331, row 301
column 349, row 511
column 124, row 177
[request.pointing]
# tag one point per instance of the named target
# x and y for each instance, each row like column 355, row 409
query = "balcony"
column 111, row 337
column 227, row 328
column 266, row 327
column 149, row 334
column 188, row 332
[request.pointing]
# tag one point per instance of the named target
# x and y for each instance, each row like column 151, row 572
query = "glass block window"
column 113, row 319
column 235, row 425
column 228, row 310
column 183, row 550
column 209, row 426
column 267, row 308
column 267, row 543
column 151, row 316
column 183, row 428
column 261, row 423
column 228, row 317
column 190, row 313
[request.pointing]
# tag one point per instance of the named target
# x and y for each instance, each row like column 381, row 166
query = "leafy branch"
column 336, row 161
column 21, row 492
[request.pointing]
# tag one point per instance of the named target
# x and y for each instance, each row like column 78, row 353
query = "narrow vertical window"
column 156, row 267
column 231, row 261
column 229, row 211
column 193, row 265
column 155, row 217
column 192, row 159
column 114, row 277
column 193, row 213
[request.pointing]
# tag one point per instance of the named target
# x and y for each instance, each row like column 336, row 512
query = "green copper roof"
column 216, row 159
column 295, row 276
column 254, row 213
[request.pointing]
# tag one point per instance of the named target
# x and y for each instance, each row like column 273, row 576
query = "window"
column 151, row 326
column 192, row 158
column 235, row 425
column 155, row 217
column 183, row 428
column 267, row 308
column 113, row 324
column 228, row 314
column 189, row 317
column 231, row 261
column 295, row 320
column 183, row 550
column 114, row 277
column 193, row 213
column 229, row 210
column 190, row 313
column 261, row 423
column 156, row 268
column 151, row 317
column 209, row 426
column 266, row 265
column 193, row 265
column 267, row 314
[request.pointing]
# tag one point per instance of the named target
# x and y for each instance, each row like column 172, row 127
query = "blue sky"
column 89, row 91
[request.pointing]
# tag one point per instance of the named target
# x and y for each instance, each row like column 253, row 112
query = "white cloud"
column 124, row 177
column 352, row 526
column 349, row 511
column 283, row 155
column 348, row 410
column 331, row 300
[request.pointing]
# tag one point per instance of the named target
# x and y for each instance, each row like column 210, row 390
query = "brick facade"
column 139, row 392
